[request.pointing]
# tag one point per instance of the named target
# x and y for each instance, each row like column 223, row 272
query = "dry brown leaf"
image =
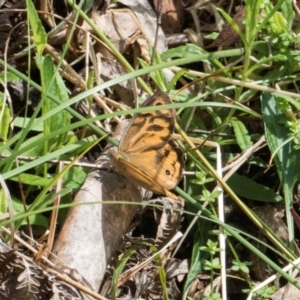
column 120, row 26
column 258, row 267
column 272, row 216
column 172, row 15
column 169, row 221
column 175, row 267
column 228, row 36
column 22, row 278
column 148, row 22
column 292, row 294
column 236, row 281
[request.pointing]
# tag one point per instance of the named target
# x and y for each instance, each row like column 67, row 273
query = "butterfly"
column 147, row 155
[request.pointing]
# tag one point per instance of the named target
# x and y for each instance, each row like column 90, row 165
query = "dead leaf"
column 148, row 20
column 228, row 36
column 292, row 293
column 172, row 15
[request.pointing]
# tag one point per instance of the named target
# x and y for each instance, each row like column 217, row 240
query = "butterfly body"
column 146, row 153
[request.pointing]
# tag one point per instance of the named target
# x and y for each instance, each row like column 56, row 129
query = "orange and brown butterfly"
column 147, row 155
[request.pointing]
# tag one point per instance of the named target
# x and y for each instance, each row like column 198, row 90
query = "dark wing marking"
column 146, row 129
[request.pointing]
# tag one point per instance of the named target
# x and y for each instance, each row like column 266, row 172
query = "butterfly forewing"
column 151, row 129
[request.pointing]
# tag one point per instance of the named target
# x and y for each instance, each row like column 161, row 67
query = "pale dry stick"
column 236, row 161
column 86, row 105
column 87, row 56
column 193, row 12
column 54, row 161
column 4, row 216
column 62, row 277
column 131, row 272
column 232, row 167
column 66, row 162
column 75, row 284
column 95, row 59
column 245, row 84
column 67, row 71
column 159, row 9
column 96, row 62
column 47, row 15
column 218, row 19
column 222, row 241
column 222, row 238
column 296, row 8
column 7, row 97
column 273, row 277
column 286, row 290
column 113, row 103
column 21, row 241
column 70, row 74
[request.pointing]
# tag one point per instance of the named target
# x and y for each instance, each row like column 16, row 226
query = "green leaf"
column 23, row 122
column 74, row 178
column 36, row 148
column 182, row 51
column 30, row 179
column 39, row 34
column 125, row 257
column 289, row 99
column 55, row 86
column 288, row 12
column 287, row 157
column 9, row 77
column 177, row 76
column 279, row 23
column 4, row 121
column 3, row 202
column 195, row 265
column 52, row 83
column 232, row 23
column 241, row 134
column 52, row 155
column 246, row 187
column 90, row 84
column 34, row 219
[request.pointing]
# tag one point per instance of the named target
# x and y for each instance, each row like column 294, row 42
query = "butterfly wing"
column 149, row 130
column 162, row 178
column 138, row 176
column 147, row 155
